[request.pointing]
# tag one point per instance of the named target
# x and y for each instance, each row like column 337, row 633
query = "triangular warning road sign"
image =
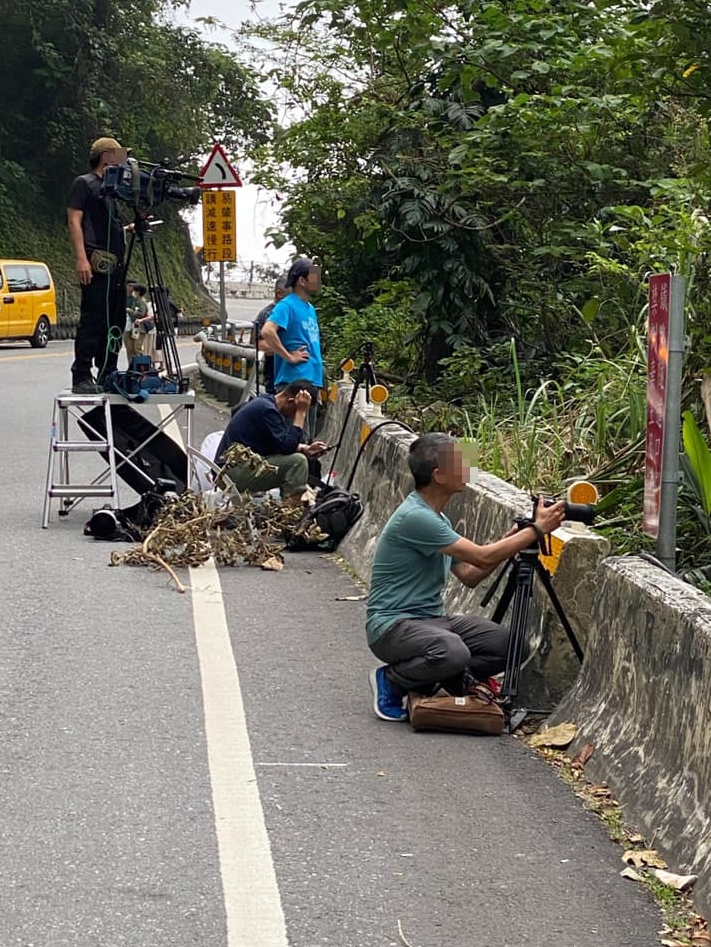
column 218, row 172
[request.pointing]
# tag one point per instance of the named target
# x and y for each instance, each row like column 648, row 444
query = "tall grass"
column 580, row 423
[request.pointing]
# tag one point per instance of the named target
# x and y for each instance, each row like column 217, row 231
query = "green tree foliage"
column 521, row 165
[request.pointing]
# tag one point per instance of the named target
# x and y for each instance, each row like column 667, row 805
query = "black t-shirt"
column 174, row 310
column 101, row 224
column 268, row 358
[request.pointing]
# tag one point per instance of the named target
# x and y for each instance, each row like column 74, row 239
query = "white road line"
column 64, row 353
column 254, row 913
column 255, row 917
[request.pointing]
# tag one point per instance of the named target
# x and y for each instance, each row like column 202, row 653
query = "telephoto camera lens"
column 189, row 195
column 104, row 523
column 575, row 512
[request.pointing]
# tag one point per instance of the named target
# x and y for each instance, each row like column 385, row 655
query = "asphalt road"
column 205, row 769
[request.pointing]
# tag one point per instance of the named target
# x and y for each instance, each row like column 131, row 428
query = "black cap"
column 301, row 267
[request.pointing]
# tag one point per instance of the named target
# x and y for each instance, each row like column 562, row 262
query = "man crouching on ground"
column 273, row 426
column 424, row 649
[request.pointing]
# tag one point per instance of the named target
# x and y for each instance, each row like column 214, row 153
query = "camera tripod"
column 519, row 588
column 159, row 295
column 364, row 376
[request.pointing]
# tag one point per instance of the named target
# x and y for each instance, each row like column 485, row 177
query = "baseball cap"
column 103, row 144
column 301, row 267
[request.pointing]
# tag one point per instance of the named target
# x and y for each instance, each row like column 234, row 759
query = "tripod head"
column 367, row 348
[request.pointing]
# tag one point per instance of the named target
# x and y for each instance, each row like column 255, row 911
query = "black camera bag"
column 334, row 512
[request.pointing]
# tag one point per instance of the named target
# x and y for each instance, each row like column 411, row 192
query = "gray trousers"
column 291, row 476
column 423, row 652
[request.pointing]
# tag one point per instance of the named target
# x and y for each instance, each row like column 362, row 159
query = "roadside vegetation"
column 487, row 187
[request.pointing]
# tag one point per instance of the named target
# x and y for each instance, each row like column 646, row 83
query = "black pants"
column 422, row 652
column 101, row 323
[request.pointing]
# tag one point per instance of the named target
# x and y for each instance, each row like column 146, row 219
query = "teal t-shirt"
column 409, row 571
column 298, row 325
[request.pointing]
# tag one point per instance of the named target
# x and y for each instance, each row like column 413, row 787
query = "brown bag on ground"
column 459, row 714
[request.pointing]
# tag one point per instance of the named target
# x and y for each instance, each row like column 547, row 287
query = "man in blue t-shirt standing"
column 424, row 649
column 291, row 333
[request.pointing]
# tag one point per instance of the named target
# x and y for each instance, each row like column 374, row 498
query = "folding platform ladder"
column 68, row 406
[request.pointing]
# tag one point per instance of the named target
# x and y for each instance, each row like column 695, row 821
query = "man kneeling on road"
column 273, row 426
column 424, row 649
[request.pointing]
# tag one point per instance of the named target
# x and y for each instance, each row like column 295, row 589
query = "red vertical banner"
column 657, row 367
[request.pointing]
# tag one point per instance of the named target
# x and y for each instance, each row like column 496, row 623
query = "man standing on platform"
column 291, row 332
column 97, row 236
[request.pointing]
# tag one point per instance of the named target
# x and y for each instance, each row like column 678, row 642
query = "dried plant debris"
column 240, row 529
column 245, row 457
column 559, row 736
column 643, row 858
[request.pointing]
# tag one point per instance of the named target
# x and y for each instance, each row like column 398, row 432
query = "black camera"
column 576, row 512
column 145, row 185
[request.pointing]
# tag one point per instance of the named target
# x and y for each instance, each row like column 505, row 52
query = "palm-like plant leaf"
column 697, row 461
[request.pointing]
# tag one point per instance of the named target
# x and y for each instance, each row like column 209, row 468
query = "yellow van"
column 28, row 302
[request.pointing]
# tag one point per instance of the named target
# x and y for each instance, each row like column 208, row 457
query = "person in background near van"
column 97, row 236
column 291, row 333
column 176, row 311
column 130, row 283
column 280, row 291
column 132, row 337
column 147, row 327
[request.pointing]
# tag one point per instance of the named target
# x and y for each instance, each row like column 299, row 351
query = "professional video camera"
column 144, row 185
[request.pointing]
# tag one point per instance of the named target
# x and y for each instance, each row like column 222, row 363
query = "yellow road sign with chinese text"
column 219, row 226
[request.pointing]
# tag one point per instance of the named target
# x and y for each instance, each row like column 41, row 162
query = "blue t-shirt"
column 409, row 571
column 298, row 326
column 260, row 425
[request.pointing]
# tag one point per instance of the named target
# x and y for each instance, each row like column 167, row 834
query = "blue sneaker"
column 388, row 704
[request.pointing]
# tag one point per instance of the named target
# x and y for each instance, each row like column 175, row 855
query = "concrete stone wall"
column 643, row 698
column 484, row 512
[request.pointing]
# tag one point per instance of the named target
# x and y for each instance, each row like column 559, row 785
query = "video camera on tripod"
column 145, row 185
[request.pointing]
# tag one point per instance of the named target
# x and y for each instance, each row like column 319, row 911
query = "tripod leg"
column 349, row 409
column 523, row 576
column 545, row 578
column 506, row 595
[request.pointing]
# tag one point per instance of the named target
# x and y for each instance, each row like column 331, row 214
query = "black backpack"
column 334, row 512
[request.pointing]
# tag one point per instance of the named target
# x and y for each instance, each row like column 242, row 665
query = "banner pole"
column 669, row 487
column 223, row 302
